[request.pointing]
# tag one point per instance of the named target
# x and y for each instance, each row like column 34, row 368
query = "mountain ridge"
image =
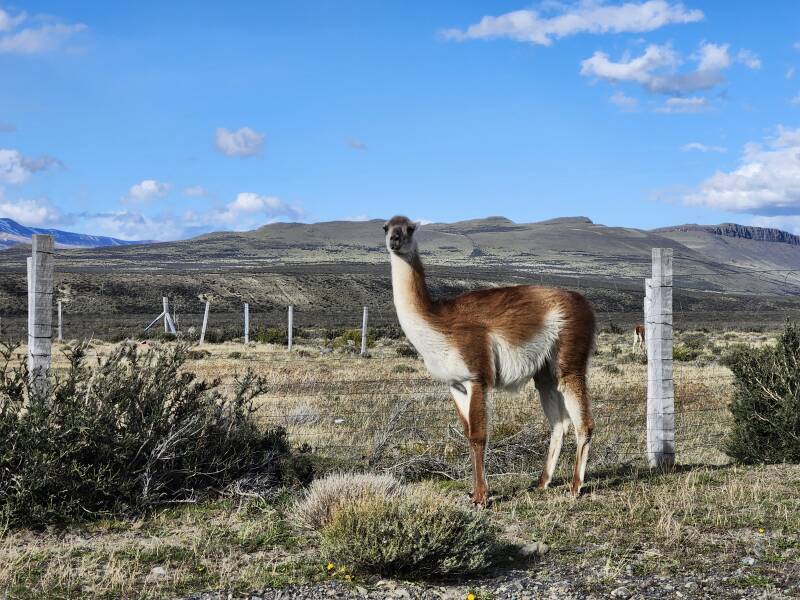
column 13, row 233
column 735, row 230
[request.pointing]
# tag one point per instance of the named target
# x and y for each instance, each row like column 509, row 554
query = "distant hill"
column 12, row 234
column 734, row 230
column 329, row 270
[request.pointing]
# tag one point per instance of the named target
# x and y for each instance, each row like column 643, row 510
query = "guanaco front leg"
column 471, row 402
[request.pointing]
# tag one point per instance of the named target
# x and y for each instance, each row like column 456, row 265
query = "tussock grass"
column 417, row 535
column 328, row 494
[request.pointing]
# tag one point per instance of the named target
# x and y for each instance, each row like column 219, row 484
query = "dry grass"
column 706, row 515
column 386, row 410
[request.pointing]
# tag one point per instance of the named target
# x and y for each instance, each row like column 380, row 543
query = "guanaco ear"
column 415, row 226
column 386, row 227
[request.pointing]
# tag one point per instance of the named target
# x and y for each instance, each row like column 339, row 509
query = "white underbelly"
column 515, row 364
column 442, row 359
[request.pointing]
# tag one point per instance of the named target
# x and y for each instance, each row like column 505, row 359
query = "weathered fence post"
column 246, row 323
column 364, row 332
column 205, row 323
column 165, row 303
column 40, row 311
column 169, row 324
column 291, row 326
column 660, row 385
column 60, row 329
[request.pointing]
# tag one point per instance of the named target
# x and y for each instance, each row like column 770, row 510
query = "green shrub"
column 614, row 328
column 273, row 335
column 133, row 431
column 766, row 402
column 694, row 341
column 219, row 335
column 414, row 536
column 352, row 338
column 406, row 351
column 731, row 354
column 403, row 369
column 683, row 353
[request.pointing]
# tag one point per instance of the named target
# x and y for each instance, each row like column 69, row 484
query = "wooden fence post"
column 660, row 385
column 205, row 323
column 60, row 329
column 291, row 326
column 165, row 303
column 364, row 332
column 246, row 323
column 169, row 324
column 40, row 311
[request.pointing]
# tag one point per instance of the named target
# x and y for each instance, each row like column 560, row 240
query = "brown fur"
column 517, row 314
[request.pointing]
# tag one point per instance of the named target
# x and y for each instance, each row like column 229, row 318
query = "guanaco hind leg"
column 576, row 402
column 553, row 405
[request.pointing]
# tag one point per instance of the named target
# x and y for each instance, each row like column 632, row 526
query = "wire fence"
column 351, row 409
column 409, row 424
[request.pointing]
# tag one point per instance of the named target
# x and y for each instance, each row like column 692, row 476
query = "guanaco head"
column 400, row 235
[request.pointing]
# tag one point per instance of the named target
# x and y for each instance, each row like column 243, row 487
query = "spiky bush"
column 132, row 431
column 766, row 401
column 415, row 535
column 324, row 496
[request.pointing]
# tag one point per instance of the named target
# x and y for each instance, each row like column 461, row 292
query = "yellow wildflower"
column 330, row 566
column 761, row 530
column 470, row 596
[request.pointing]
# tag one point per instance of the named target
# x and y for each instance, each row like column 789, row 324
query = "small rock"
column 621, row 592
column 361, row 590
column 534, row 549
column 157, row 573
column 749, row 561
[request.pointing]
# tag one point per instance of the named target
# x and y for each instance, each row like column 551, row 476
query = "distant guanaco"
column 638, row 336
column 499, row 338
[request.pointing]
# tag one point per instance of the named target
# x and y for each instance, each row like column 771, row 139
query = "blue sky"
column 160, row 120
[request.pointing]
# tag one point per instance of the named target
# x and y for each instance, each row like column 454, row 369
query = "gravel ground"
column 524, row 585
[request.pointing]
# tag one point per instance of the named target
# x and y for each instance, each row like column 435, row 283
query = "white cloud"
column 15, row 168
column 790, row 73
column 767, row 181
column 35, row 39
column 655, row 69
column 8, row 23
column 128, row 225
column 356, row 144
column 146, row 190
column 249, row 208
column 786, row 223
column 748, row 59
column 623, row 102
column 795, row 100
column 703, row 147
column 242, row 142
column 638, row 69
column 796, row 45
column 589, row 16
column 32, row 213
column 195, row 191
column 692, row 104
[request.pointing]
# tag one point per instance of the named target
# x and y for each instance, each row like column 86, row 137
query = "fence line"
column 416, row 415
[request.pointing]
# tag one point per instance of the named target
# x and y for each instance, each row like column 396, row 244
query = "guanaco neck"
column 408, row 283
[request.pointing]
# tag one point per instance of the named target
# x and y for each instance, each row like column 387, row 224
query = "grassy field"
column 708, row 521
